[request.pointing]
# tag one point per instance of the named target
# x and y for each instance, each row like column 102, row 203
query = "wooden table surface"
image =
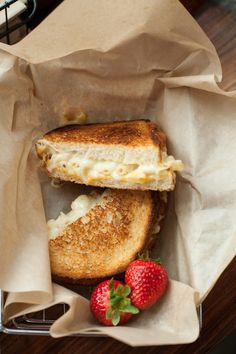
column 218, row 19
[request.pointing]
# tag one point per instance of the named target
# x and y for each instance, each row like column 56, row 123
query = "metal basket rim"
column 42, row 328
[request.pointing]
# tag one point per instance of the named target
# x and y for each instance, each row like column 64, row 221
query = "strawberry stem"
column 144, row 257
column 119, row 302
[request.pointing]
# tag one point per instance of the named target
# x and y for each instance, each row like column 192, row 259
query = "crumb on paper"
column 69, row 113
column 73, row 115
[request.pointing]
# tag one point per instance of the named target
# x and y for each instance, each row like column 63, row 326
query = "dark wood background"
column 218, row 20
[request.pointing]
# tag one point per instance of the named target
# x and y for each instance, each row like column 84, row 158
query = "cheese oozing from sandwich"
column 95, row 170
column 79, row 208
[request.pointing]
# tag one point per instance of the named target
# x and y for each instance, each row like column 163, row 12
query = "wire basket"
column 38, row 323
column 31, row 6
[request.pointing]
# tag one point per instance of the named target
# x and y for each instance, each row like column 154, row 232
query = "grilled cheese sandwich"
column 102, row 234
column 125, row 155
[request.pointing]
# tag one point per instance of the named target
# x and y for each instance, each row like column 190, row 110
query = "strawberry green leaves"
column 145, row 257
column 119, row 302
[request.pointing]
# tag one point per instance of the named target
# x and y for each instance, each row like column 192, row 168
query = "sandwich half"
column 124, row 155
column 102, row 234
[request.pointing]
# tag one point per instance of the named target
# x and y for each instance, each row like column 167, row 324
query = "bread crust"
column 135, row 133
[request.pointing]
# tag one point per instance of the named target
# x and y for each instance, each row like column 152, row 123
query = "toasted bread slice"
column 101, row 235
column 124, row 155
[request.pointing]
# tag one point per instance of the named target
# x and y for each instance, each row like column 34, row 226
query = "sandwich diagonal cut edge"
column 123, row 155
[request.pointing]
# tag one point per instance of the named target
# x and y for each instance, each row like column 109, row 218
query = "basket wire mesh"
column 31, row 6
column 39, row 323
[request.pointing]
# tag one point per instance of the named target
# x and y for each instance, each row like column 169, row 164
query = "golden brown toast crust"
column 126, row 133
column 106, row 239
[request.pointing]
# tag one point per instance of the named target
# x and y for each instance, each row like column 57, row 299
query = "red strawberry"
column 148, row 281
column 110, row 303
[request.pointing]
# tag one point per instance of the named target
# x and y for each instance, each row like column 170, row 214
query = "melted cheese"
column 94, row 170
column 79, row 208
